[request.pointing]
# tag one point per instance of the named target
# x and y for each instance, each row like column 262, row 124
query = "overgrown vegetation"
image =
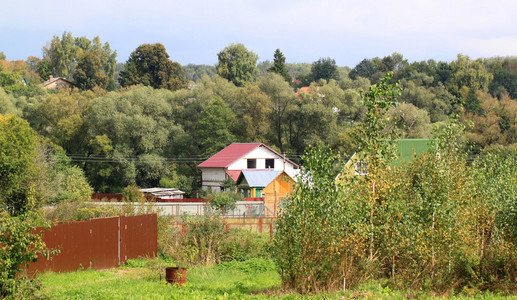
column 206, row 241
column 436, row 223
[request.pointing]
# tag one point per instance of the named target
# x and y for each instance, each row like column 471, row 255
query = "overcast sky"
column 194, row 31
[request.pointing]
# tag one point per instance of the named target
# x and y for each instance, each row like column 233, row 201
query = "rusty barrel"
column 176, row 275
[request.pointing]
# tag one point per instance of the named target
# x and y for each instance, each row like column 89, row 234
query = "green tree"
column 366, row 69
column 18, row 168
column 279, row 66
column 197, row 72
column 213, row 133
column 133, row 131
column 282, row 98
column 309, row 246
column 324, row 68
column 44, row 69
column 60, row 53
column 149, row 65
column 60, row 117
column 252, row 114
column 468, row 73
column 376, row 144
column 237, row 64
column 63, row 182
column 413, row 122
column 89, row 72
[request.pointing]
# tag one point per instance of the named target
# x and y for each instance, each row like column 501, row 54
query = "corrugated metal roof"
column 159, row 192
column 406, row 148
column 234, row 174
column 259, row 178
column 228, row 155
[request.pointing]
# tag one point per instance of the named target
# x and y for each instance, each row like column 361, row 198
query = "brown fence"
column 98, row 243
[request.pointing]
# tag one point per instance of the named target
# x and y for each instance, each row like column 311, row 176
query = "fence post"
column 271, row 232
column 260, row 224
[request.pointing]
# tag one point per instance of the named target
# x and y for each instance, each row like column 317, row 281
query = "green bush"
column 19, row 245
column 206, row 242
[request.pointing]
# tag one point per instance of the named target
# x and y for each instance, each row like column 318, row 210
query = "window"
column 270, row 163
column 252, row 163
column 361, row 168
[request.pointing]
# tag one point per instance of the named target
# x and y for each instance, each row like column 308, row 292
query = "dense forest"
column 149, row 121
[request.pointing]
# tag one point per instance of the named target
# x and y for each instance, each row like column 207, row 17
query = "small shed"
column 163, row 193
column 278, row 190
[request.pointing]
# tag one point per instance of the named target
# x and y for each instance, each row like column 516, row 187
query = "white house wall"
column 260, row 154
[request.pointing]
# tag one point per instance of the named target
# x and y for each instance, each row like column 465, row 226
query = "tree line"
column 150, row 121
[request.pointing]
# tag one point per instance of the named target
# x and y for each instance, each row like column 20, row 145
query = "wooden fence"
column 99, row 243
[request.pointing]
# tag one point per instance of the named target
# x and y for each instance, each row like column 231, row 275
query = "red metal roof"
column 228, row 155
column 234, row 174
column 225, row 157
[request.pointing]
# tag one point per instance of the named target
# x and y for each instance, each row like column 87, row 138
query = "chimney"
column 51, row 78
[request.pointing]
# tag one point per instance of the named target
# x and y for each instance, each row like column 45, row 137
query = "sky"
column 194, row 31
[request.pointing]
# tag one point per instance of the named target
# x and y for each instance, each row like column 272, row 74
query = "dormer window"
column 270, row 163
column 252, row 163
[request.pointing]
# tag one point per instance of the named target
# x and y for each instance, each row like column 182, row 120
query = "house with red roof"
column 232, row 160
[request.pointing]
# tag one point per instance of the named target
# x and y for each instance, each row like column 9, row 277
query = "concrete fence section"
column 242, row 208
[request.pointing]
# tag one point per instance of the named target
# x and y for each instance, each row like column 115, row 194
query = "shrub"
column 19, row 245
column 224, row 199
column 204, row 241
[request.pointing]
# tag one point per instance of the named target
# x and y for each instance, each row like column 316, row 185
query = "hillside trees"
column 214, row 133
column 60, row 57
column 89, row 72
column 237, row 64
column 60, row 117
column 133, row 133
column 282, row 97
column 149, row 65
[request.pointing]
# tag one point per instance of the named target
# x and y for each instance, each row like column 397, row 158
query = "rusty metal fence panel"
column 98, row 244
column 140, row 236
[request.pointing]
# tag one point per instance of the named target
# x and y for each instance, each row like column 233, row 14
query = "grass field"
column 253, row 279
